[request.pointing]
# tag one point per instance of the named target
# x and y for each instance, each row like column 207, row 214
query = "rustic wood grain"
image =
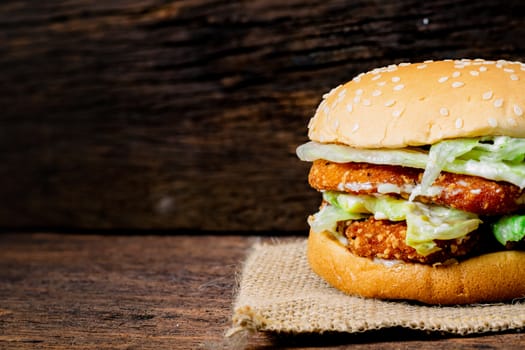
column 186, row 114
column 101, row 292
column 154, row 292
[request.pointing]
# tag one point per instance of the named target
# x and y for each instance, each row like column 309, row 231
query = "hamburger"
column 422, row 173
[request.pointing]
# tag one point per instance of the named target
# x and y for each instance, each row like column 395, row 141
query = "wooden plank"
column 122, row 291
column 153, row 292
column 186, row 114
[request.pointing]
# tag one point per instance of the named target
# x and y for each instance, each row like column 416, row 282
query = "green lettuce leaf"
column 439, row 156
column 509, row 229
column 327, row 217
column 425, row 223
column 498, row 149
column 497, row 158
column 311, row 151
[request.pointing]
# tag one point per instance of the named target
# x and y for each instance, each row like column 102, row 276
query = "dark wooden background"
column 149, row 114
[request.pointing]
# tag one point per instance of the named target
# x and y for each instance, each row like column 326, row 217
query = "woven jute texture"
column 279, row 293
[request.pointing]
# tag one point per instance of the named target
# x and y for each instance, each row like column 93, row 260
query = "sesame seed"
column 326, row 110
column 376, row 93
column 522, row 68
column 399, row 87
column 492, row 122
column 349, row 107
column 404, row 64
column 421, row 66
column 482, row 69
column 381, row 83
column 396, row 113
column 336, row 125
column 498, row 103
column 390, row 103
column 443, row 111
column 508, row 70
column 487, row 95
column 391, row 68
column 457, row 84
column 442, row 79
column 459, row 123
column 395, row 79
column 474, row 73
column 456, row 74
column 357, row 99
column 367, row 102
column 356, row 127
column 359, row 92
column 517, row 110
column 378, row 76
column 459, row 66
column 512, row 121
column 514, row 77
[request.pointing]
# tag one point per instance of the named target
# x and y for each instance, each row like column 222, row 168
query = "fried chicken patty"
column 469, row 193
column 385, row 239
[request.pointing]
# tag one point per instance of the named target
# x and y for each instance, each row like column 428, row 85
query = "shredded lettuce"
column 425, row 223
column 328, row 216
column 428, row 223
column 498, row 158
column 510, row 229
column 439, row 156
column 384, row 207
column 326, row 219
column 497, row 149
column 311, row 151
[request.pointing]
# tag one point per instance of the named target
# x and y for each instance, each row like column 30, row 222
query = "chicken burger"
column 422, row 174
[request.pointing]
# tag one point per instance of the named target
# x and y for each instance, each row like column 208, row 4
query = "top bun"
column 413, row 104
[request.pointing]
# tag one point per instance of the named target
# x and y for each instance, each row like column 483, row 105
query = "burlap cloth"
column 279, row 293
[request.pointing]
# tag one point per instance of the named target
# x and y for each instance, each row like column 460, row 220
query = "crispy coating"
column 469, row 193
column 386, row 240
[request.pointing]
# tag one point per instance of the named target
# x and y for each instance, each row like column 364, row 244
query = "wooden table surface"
column 72, row 291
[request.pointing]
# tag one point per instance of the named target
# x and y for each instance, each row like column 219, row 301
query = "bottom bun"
column 493, row 277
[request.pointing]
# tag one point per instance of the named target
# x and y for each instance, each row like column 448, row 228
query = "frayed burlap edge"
column 279, row 293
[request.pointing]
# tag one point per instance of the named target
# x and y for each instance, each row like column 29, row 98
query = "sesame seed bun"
column 487, row 278
column 423, row 103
